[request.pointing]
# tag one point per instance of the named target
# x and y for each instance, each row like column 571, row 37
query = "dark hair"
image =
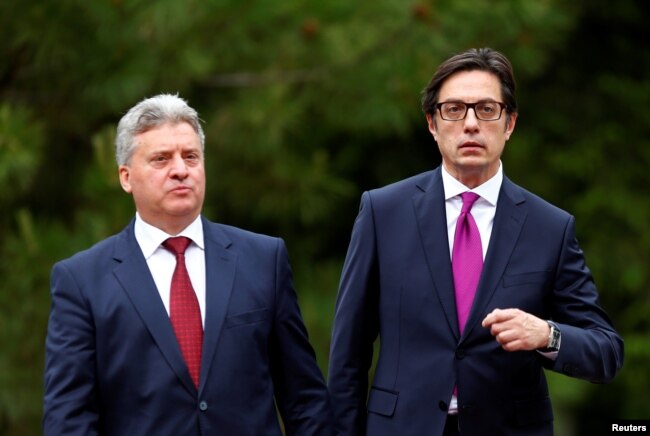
column 482, row 59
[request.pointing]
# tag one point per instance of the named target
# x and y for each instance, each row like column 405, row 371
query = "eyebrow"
column 483, row 100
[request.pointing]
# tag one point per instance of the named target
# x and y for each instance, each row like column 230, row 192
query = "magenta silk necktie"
column 184, row 309
column 467, row 259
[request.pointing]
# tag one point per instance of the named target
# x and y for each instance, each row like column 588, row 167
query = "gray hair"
column 151, row 113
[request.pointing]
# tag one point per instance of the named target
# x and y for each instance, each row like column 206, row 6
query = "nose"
column 178, row 167
column 470, row 121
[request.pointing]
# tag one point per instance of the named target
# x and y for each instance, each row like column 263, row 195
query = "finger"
column 500, row 338
column 499, row 327
column 491, row 318
column 499, row 315
column 514, row 342
column 504, row 337
column 515, row 345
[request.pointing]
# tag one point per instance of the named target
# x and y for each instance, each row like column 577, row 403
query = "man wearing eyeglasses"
column 469, row 284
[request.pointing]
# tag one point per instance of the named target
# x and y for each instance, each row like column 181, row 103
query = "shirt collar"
column 489, row 191
column 150, row 237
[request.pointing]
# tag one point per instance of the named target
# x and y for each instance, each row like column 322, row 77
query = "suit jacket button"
column 203, row 406
column 443, row 406
column 460, row 354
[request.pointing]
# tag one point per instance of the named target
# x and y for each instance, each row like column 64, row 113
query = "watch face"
column 555, row 338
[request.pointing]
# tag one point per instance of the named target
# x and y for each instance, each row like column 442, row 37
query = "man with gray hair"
column 177, row 325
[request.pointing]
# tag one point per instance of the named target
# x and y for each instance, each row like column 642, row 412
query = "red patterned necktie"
column 184, row 309
column 467, row 259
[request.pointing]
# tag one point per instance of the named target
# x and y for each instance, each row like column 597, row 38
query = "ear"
column 432, row 126
column 510, row 124
column 125, row 178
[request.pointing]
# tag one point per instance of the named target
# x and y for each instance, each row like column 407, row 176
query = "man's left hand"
column 517, row 330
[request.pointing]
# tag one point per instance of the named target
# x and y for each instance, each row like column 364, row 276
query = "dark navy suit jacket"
column 397, row 284
column 113, row 366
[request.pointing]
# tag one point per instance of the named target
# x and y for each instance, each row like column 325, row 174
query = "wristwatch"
column 553, row 339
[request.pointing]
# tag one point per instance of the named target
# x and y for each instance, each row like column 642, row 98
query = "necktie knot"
column 468, row 201
column 177, row 244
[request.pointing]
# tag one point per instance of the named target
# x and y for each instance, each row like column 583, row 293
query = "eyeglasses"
column 457, row 110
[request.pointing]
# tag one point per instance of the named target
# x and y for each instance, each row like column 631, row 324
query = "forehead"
column 471, row 86
column 169, row 134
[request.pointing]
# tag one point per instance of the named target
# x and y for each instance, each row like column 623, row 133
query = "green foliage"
column 20, row 144
column 306, row 104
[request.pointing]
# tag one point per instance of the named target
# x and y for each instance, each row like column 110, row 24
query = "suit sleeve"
column 300, row 390
column 355, row 326
column 591, row 349
column 70, row 399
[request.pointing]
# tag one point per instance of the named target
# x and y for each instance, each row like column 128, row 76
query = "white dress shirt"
column 162, row 262
column 483, row 209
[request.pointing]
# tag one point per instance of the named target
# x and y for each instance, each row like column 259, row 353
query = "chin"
column 473, row 162
column 182, row 211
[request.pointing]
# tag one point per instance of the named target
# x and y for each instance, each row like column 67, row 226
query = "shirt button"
column 203, row 406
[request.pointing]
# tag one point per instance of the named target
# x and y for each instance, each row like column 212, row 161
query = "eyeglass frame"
column 472, row 106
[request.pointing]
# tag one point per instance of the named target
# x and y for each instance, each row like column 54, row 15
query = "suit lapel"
column 508, row 222
column 133, row 274
column 220, row 266
column 432, row 224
